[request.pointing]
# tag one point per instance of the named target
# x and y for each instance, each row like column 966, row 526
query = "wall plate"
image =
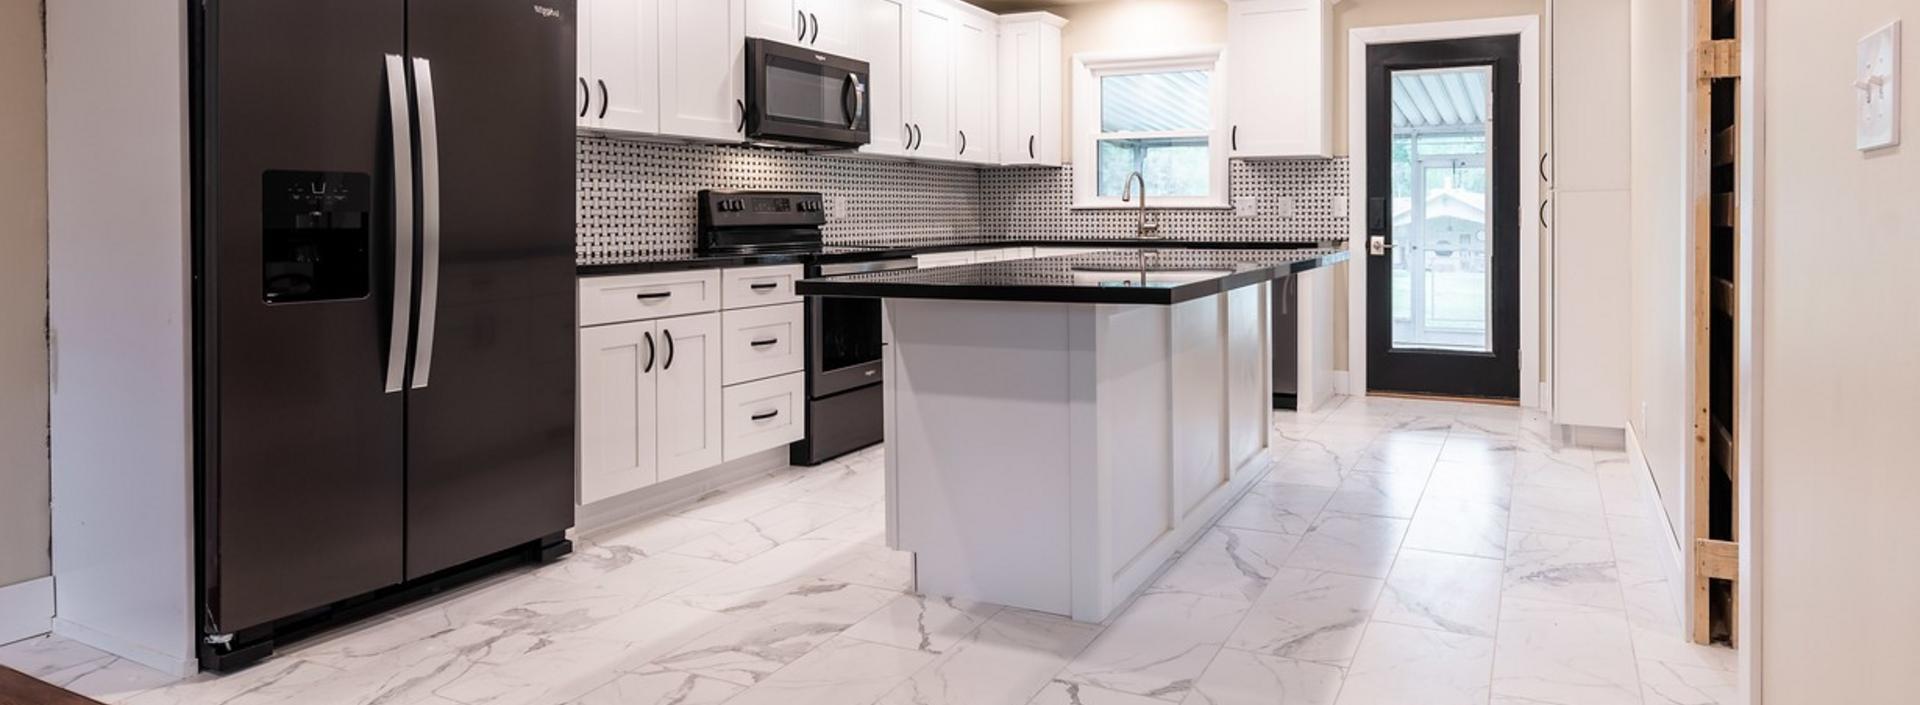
column 1877, row 89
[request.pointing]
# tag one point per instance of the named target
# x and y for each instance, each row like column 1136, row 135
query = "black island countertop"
column 668, row 262
column 1159, row 273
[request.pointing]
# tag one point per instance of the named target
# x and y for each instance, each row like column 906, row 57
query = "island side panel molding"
column 981, row 418
column 1249, row 386
column 1136, row 444
column 1199, row 402
column 1316, row 373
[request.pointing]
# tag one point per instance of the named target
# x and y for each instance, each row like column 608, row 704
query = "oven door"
column 801, row 96
column 843, row 334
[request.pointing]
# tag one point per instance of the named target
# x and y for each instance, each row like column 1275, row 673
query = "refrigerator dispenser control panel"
column 317, row 239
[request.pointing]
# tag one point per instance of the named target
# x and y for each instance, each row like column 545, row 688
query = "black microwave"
column 798, row 96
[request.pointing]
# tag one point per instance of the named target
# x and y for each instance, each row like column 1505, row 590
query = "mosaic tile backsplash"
column 636, row 199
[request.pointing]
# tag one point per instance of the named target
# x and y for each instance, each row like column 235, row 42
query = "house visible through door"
column 1443, row 186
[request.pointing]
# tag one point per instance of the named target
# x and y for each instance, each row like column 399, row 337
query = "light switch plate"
column 1246, row 207
column 1342, row 208
column 1877, row 89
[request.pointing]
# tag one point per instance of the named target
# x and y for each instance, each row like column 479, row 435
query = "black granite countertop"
column 852, row 253
column 1137, row 275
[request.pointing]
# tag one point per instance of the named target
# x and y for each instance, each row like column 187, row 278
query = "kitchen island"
column 1059, row 427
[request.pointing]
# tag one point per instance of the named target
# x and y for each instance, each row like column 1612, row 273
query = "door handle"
column 1030, row 153
column 803, row 26
column 649, row 337
column 914, row 143
column 764, row 415
column 429, row 219
column 1543, row 215
column 1377, row 245
column 400, row 122
column 648, row 296
column 763, row 286
column 603, row 97
column 586, row 97
column 1543, row 167
column 668, row 335
column 763, row 342
column 963, row 141
column 1234, row 142
column 743, row 115
column 816, row 28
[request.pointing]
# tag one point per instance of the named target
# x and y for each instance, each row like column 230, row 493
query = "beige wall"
column 23, row 293
column 1840, row 478
column 1661, row 114
column 1354, row 14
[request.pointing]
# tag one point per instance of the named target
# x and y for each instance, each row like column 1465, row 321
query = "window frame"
column 1089, row 68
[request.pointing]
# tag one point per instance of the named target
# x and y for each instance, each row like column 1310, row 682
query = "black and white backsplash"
column 636, row 199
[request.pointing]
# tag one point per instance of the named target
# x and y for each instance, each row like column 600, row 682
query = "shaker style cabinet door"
column 618, row 391
column 702, row 69
column 883, row 44
column 620, row 65
column 778, row 20
column 1029, row 88
column 689, row 408
column 1278, row 62
column 930, row 54
column 975, row 52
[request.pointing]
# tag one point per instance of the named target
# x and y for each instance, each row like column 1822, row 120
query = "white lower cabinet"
column 763, row 342
column 689, row 402
column 764, row 415
column 618, row 392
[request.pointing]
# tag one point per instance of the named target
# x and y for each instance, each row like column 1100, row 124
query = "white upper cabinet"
column 832, row 26
column 619, row 64
column 1592, row 140
column 975, row 53
column 1280, row 88
column 1030, row 89
column 883, row 44
column 930, row 51
column 702, row 69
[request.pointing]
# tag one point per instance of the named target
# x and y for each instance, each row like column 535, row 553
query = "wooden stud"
column 1719, row 58
column 1700, row 625
column 1717, row 559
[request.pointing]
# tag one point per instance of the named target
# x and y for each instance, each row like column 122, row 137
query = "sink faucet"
column 1145, row 230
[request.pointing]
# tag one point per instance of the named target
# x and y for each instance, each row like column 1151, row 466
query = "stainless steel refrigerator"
column 384, row 272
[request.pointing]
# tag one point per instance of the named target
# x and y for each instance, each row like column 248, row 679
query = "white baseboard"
column 655, row 499
column 1676, row 563
column 137, row 653
column 1342, row 384
column 26, row 609
column 1543, row 399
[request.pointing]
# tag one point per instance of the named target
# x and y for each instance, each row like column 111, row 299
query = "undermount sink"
column 1120, row 276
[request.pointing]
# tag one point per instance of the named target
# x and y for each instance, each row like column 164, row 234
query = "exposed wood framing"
column 1717, row 559
column 1719, row 58
column 1714, row 147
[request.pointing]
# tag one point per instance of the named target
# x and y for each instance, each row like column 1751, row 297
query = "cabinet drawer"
column 762, row 342
column 637, row 297
column 759, row 286
column 763, row 415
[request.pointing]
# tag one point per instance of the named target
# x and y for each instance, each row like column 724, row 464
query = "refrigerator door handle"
column 401, row 120
column 429, row 221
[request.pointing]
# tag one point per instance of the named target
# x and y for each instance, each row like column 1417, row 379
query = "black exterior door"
column 300, row 441
column 490, row 412
column 1443, row 195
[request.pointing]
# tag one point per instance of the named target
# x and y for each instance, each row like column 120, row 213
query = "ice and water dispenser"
column 317, row 236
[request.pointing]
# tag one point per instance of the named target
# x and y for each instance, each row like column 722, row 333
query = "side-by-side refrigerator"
column 384, row 268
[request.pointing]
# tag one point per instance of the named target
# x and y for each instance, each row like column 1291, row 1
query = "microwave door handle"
column 858, row 91
column 401, row 125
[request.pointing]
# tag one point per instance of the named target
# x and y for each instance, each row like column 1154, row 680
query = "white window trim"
column 1087, row 70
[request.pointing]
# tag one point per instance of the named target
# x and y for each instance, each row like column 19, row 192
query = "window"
column 1158, row 115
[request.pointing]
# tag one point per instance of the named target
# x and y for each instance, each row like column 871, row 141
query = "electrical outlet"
column 1283, row 206
column 1342, row 208
column 1246, row 207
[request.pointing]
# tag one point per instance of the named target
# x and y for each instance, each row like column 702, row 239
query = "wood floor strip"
column 18, row 688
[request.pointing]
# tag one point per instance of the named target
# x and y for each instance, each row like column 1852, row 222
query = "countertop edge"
column 730, row 261
column 1067, row 294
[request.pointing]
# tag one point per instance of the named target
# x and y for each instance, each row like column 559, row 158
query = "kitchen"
column 888, row 351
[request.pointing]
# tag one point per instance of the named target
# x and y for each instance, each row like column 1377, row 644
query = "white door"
column 1276, row 73
column 1020, row 125
column 625, row 62
column 778, row 20
column 883, row 38
column 930, row 80
column 617, row 402
column 702, row 69
column 975, row 53
column 690, row 403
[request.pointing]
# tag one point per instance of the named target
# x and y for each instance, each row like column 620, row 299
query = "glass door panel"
column 1440, row 262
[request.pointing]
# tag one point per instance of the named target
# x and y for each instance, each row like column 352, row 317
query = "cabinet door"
column 616, row 408
column 974, row 58
column 625, row 61
column 1592, row 138
column 583, row 66
column 1592, row 265
column 1277, row 74
column 883, row 43
column 778, row 20
column 702, row 69
column 833, row 26
column 1020, row 56
column 930, row 79
column 689, row 409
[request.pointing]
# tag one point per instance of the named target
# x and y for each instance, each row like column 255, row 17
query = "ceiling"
column 1024, row 5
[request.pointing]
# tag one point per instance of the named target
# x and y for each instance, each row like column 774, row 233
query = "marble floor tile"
column 1622, row 490
column 1465, row 527
column 930, row 624
column 761, row 532
column 659, row 686
column 1308, row 615
column 1564, row 654
column 1491, row 483
column 1158, row 646
column 1402, row 453
column 1315, row 473
column 1663, row 683
column 1442, row 591
column 1562, row 569
column 840, row 672
column 1060, row 692
column 646, row 537
column 1329, row 448
column 791, row 566
column 1479, row 450
column 1354, row 544
column 1641, row 549
column 1558, row 510
column 1376, row 494
column 1278, row 507
column 1244, row 678
column 1400, row 665
column 278, row 681
column 763, row 638
column 643, row 580
column 1669, row 645
column 867, row 526
column 1227, row 563
column 1651, row 603
column 1004, row 662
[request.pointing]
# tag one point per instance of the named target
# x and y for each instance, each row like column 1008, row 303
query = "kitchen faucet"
column 1145, row 230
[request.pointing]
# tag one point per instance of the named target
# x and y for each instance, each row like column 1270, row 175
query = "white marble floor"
column 1400, row 552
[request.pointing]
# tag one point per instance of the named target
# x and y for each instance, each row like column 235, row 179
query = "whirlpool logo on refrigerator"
column 547, row 12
